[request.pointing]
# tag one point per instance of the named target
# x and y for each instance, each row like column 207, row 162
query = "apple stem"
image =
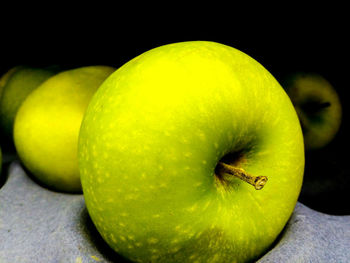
column 257, row 181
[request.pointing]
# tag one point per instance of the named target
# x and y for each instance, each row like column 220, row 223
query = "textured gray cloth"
column 39, row 225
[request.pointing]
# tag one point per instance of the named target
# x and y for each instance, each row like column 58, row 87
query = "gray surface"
column 39, row 225
column 311, row 236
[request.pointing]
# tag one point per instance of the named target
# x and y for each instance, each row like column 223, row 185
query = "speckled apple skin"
column 152, row 136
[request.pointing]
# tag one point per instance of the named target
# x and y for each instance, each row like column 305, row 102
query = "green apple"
column 15, row 85
column 47, row 126
column 162, row 145
column 4, row 78
column 318, row 107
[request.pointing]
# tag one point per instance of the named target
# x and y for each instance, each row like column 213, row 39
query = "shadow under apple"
column 91, row 234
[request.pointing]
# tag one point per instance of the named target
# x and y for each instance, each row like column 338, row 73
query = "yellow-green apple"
column 15, row 86
column 162, row 145
column 5, row 77
column 318, row 106
column 47, row 126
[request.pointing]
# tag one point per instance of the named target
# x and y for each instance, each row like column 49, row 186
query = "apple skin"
column 4, row 78
column 47, row 126
column 152, row 136
column 15, row 86
column 319, row 125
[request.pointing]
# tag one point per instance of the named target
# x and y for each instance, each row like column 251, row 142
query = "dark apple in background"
column 316, row 49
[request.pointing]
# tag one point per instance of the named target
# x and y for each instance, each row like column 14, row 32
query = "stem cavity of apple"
column 225, row 170
column 315, row 107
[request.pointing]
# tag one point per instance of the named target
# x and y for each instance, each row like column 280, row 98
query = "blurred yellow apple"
column 47, row 126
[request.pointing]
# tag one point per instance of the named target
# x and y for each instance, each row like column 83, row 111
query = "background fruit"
column 4, row 78
column 318, row 107
column 15, row 86
column 47, row 126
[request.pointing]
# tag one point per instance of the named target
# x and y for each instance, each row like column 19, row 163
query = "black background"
column 314, row 44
